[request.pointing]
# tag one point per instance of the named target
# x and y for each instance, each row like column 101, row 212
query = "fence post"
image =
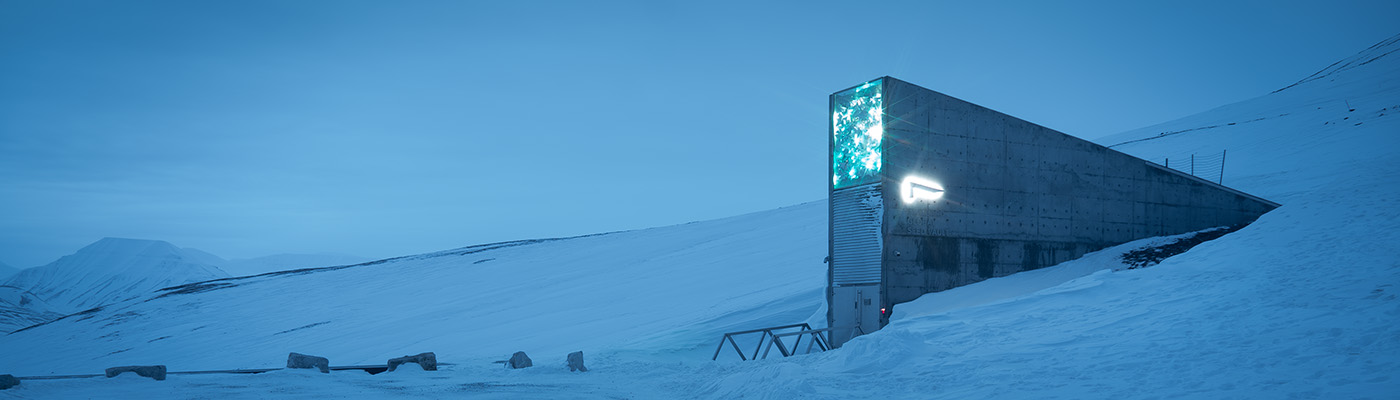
column 1221, row 181
column 1193, row 164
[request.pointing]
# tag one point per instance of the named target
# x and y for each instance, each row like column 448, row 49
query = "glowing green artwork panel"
column 857, row 129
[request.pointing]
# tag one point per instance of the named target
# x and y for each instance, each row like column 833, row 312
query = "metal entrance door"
column 855, row 311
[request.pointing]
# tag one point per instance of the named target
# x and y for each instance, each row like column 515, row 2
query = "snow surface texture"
column 111, row 270
column 1300, row 304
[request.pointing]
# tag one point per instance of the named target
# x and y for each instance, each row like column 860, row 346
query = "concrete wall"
column 1019, row 196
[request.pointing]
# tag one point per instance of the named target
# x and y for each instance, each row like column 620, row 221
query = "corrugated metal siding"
column 856, row 214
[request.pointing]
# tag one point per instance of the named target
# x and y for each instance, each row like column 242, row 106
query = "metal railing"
column 774, row 336
column 1210, row 167
column 371, row 369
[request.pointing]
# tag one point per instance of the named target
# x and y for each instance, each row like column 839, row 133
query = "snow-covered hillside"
column 662, row 290
column 1300, row 304
column 283, row 262
column 19, row 308
column 1328, row 128
column 113, row 269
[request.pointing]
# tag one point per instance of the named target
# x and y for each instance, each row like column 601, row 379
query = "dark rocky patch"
column 302, row 327
column 1149, row 256
column 118, row 351
column 8, row 381
column 196, row 287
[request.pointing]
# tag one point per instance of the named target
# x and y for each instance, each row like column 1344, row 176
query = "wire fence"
column 1210, row 166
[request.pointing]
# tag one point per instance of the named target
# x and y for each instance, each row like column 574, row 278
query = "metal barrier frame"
column 771, row 337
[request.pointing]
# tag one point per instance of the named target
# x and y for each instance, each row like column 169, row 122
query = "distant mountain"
column 112, row 270
column 201, row 257
column 6, row 270
column 283, row 262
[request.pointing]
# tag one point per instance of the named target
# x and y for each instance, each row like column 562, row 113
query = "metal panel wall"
column 856, row 237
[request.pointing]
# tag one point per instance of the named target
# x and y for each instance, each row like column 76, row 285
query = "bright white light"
column 915, row 188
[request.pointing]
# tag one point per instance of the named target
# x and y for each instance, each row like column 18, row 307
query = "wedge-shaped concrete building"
column 929, row 193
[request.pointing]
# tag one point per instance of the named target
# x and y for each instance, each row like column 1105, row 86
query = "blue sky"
column 249, row 128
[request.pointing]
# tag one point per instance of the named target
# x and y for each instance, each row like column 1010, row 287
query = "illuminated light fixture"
column 858, row 131
column 915, row 188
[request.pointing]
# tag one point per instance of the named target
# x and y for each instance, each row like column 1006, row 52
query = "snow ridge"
column 1371, row 54
column 284, row 262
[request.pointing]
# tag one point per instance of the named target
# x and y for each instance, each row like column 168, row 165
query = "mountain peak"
column 113, row 269
column 116, row 242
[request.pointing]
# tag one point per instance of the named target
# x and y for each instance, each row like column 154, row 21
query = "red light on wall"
column 882, row 311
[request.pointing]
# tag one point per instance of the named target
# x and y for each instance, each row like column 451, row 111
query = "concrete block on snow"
column 576, row 362
column 519, row 360
column 304, row 361
column 156, row 372
column 426, row 360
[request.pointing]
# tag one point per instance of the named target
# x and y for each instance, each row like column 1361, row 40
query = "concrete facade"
column 1016, row 196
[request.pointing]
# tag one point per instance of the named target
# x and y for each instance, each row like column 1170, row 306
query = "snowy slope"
column 283, row 262
column 1293, row 141
column 1301, row 304
column 655, row 291
column 19, row 308
column 113, row 269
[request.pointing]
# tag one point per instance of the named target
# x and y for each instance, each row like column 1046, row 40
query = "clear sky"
column 249, row 128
